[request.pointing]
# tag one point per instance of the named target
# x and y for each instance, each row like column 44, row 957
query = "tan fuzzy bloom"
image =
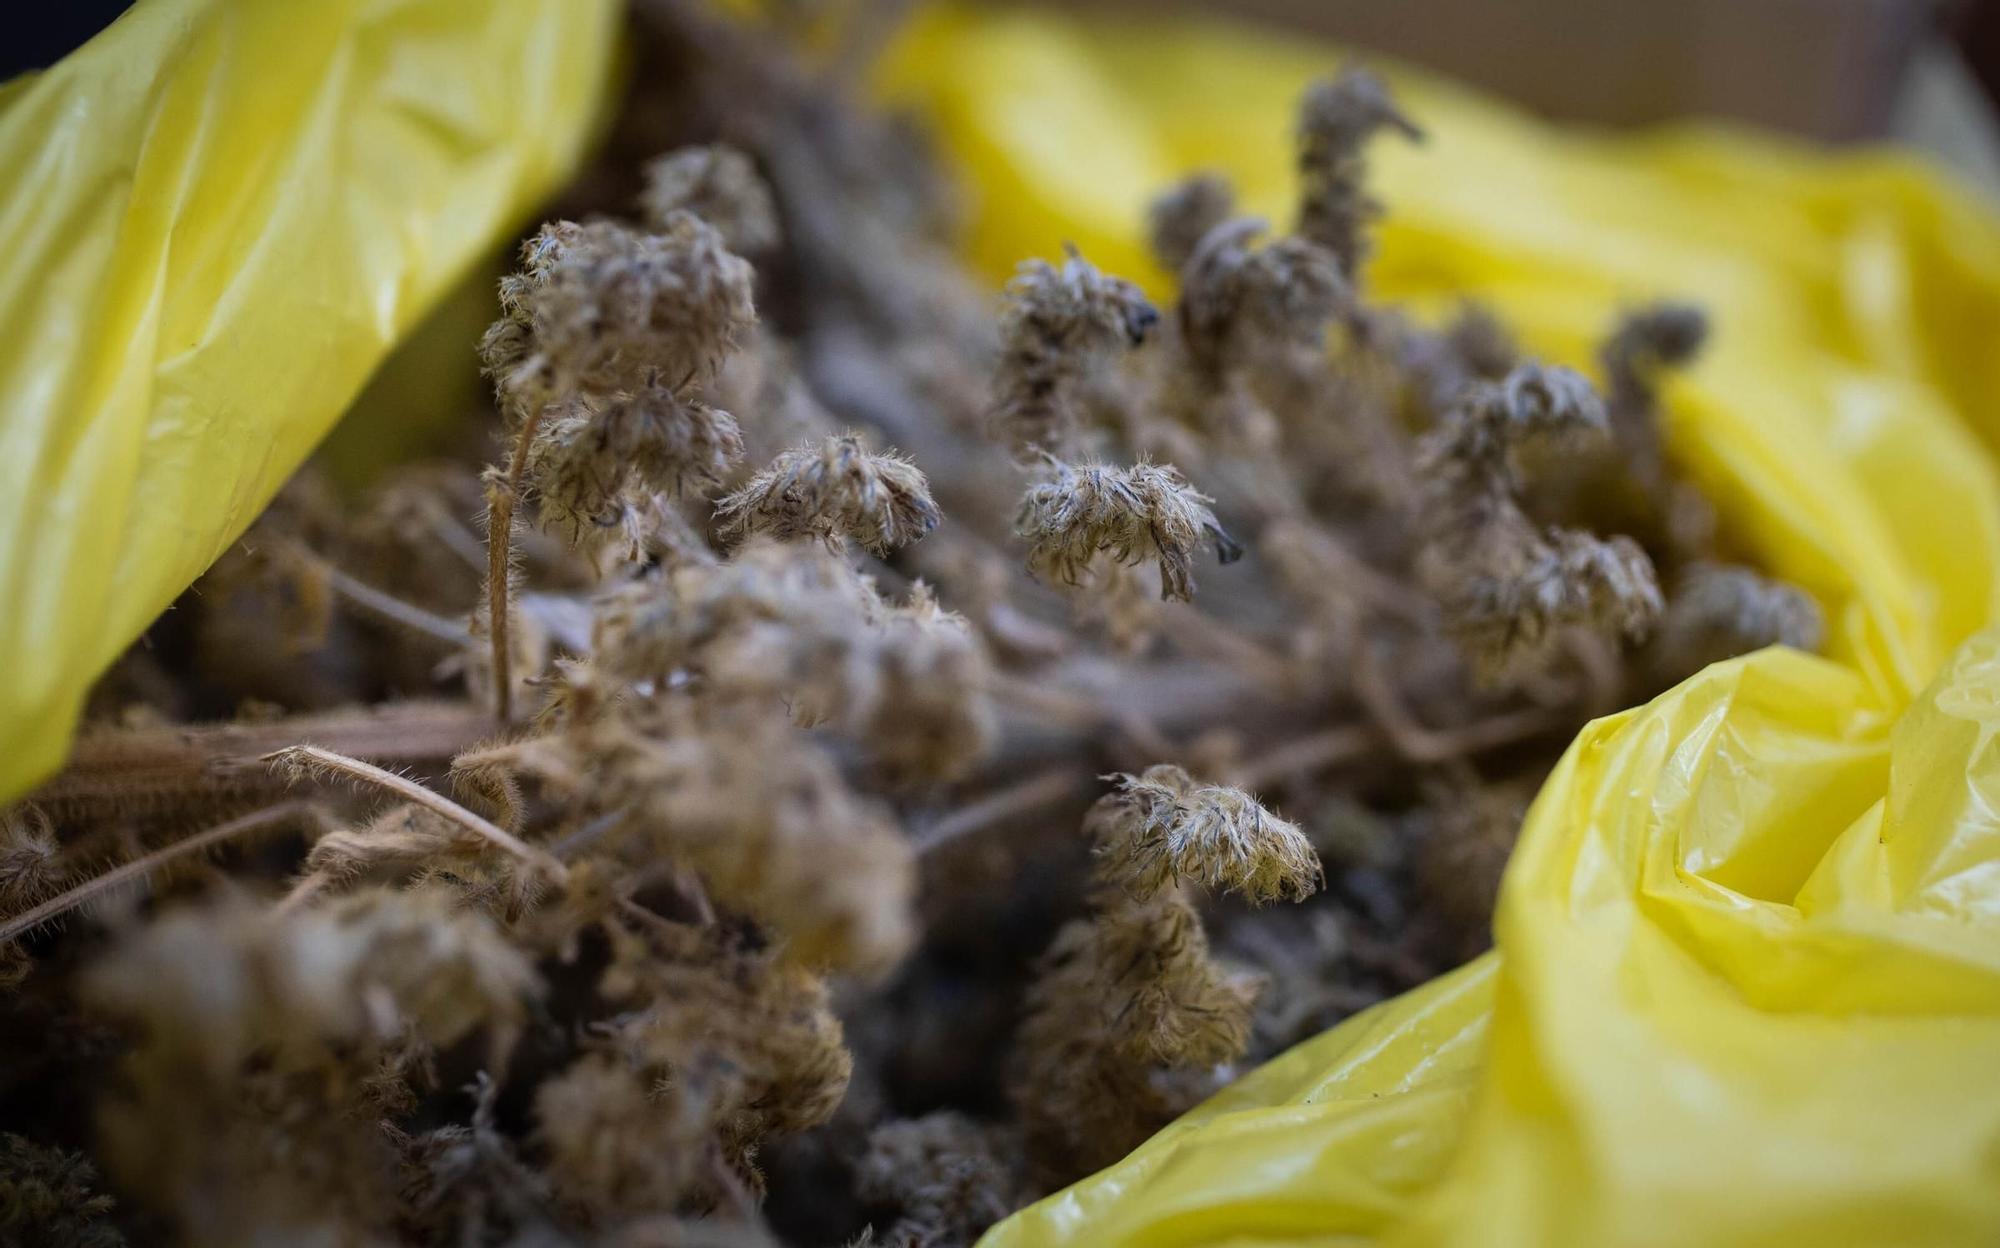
column 1181, row 215
column 1507, row 585
column 1336, row 120
column 1234, row 294
column 1661, row 335
column 31, row 864
column 1059, row 326
column 1120, row 996
column 604, row 308
column 1162, row 827
column 1718, row 611
column 613, row 1146
column 720, row 185
column 946, row 1175
column 1147, row 511
column 837, row 489
column 402, row 837
column 1511, row 608
column 740, row 796
column 587, row 457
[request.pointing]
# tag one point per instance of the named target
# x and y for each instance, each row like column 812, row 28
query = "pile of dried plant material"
column 867, row 749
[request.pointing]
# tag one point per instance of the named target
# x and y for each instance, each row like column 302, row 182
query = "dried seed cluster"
column 714, row 861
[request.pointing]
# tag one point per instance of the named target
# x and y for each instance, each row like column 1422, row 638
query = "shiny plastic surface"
column 218, row 217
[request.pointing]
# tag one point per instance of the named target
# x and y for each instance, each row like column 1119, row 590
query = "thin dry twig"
column 307, row 759
column 70, row 899
column 1035, row 792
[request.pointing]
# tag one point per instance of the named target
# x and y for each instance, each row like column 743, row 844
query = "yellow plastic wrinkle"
column 219, row 217
column 1746, row 986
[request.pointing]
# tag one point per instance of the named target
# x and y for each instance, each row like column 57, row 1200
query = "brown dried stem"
column 120, row 771
column 307, row 759
column 70, row 899
column 1035, row 792
column 382, row 603
column 500, row 501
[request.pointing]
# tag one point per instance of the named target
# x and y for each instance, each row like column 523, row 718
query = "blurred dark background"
column 1925, row 72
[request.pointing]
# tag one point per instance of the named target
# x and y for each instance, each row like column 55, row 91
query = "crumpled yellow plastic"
column 1746, row 990
column 219, row 216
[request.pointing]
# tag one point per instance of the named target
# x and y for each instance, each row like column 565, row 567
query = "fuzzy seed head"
column 1718, row 611
column 1182, row 215
column 1147, row 511
column 604, row 308
column 1235, row 294
column 1059, row 325
column 1336, row 119
column 1162, row 827
column 833, row 491
column 720, row 185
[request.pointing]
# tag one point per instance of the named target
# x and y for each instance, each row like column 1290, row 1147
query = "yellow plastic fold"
column 1746, row 992
column 218, row 216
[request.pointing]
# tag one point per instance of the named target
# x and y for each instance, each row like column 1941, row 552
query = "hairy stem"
column 70, row 899
column 311, row 758
column 120, row 772
column 1043, row 789
column 500, row 502
column 382, row 603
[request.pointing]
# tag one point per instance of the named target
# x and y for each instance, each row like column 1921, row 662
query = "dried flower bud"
column 1119, row 996
column 613, row 1147
column 943, row 1172
column 1663, row 335
column 1443, row 367
column 1161, row 827
column 720, row 185
column 838, row 489
column 589, row 466
column 1147, row 511
column 1180, row 216
column 48, row 1198
column 1720, row 611
column 1058, row 326
column 263, row 1030
column 1233, row 294
column 31, row 863
column 604, row 308
column 738, row 795
column 1512, row 608
column 1508, row 587
column 1647, row 343
column 1336, row 120
column 403, row 837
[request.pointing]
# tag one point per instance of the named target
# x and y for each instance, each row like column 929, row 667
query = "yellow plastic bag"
column 1747, row 985
column 219, row 216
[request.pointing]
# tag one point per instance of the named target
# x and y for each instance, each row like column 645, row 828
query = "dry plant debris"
column 819, row 805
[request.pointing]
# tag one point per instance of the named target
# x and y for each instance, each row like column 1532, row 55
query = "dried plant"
column 1060, row 324
column 1133, row 990
column 47, row 1198
column 720, row 185
column 1509, row 587
column 1162, row 828
column 606, row 336
column 1181, row 216
column 1336, row 120
column 833, row 491
column 944, row 1173
column 1145, row 512
column 1719, row 610
column 758, row 915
